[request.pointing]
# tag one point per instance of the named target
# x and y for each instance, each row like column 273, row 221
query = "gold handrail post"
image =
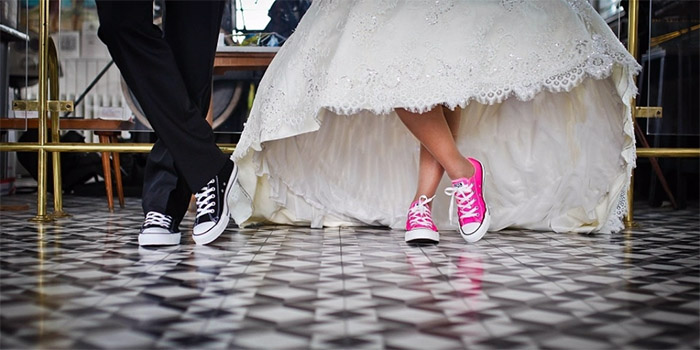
column 55, row 133
column 632, row 48
column 43, row 111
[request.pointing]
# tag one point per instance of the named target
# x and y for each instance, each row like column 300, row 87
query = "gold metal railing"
column 55, row 133
column 48, row 84
column 644, row 112
column 42, row 109
column 91, row 147
column 668, row 152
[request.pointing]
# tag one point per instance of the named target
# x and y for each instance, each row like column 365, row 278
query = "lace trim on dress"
column 598, row 65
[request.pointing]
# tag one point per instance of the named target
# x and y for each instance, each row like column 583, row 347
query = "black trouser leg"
column 170, row 76
column 164, row 190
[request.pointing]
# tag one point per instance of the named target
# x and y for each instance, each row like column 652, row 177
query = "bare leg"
column 430, row 171
column 436, row 137
column 429, row 174
column 452, row 118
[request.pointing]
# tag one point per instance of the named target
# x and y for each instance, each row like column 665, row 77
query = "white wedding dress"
column 544, row 85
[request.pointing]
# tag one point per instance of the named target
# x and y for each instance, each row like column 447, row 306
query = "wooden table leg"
column 107, row 173
column 117, row 172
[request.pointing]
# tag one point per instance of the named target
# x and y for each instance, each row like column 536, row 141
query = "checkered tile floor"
column 83, row 282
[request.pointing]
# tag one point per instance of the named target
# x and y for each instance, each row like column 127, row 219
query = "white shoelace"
column 464, row 197
column 205, row 199
column 154, row 218
column 419, row 215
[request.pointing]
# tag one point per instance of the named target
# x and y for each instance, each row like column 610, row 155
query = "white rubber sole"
column 148, row 239
column 422, row 234
column 479, row 233
column 217, row 229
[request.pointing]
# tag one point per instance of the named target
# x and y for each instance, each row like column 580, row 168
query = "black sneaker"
column 157, row 229
column 212, row 205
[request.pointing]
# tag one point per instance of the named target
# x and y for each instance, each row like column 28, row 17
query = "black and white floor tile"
column 84, row 283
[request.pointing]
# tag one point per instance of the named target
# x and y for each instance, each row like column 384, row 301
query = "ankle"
column 418, row 195
column 463, row 170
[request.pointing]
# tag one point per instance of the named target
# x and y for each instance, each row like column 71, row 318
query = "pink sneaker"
column 419, row 224
column 474, row 217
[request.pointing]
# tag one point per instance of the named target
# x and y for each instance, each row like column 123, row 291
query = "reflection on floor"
column 83, row 282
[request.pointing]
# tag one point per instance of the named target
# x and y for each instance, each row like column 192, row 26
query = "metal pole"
column 55, row 134
column 43, row 110
column 5, row 158
column 91, row 147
